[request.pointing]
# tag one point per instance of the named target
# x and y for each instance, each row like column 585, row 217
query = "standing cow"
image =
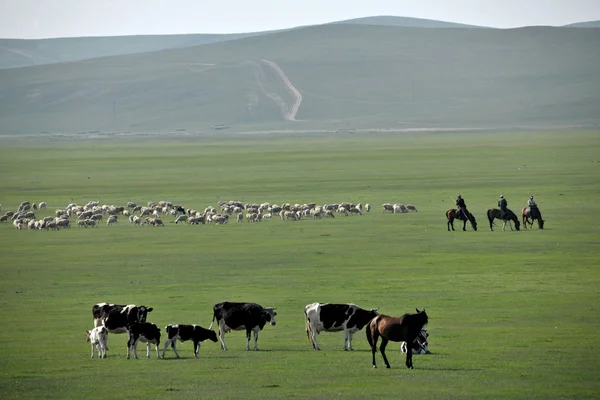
column 327, row 317
column 116, row 318
column 239, row 316
column 145, row 332
column 183, row 333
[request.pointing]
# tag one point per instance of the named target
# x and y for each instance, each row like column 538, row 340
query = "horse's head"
column 473, row 222
column 517, row 224
column 422, row 316
column 541, row 223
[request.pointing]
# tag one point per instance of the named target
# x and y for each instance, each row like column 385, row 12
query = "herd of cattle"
column 92, row 213
column 251, row 317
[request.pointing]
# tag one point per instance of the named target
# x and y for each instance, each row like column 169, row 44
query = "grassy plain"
column 512, row 314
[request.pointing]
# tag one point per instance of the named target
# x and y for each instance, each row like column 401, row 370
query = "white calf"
column 98, row 337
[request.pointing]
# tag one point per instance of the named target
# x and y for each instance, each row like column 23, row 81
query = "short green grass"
column 512, row 314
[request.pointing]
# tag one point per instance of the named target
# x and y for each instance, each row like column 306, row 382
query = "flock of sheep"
column 92, row 213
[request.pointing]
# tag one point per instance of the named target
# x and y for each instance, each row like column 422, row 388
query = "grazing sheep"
column 399, row 209
column 154, row 221
column 112, row 220
column 410, row 207
column 81, row 223
column 181, row 218
column 134, row 219
column 240, row 217
column 199, row 219
column 355, row 210
column 368, row 207
column 388, row 207
column 62, row 223
column 4, row 218
column 42, row 205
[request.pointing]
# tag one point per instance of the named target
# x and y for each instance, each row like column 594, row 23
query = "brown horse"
column 397, row 329
column 453, row 214
column 529, row 216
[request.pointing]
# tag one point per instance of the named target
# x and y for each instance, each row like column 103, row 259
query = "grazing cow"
column 334, row 318
column 410, row 207
column 183, row 333
column 420, row 345
column 145, row 332
column 118, row 318
column 98, row 337
column 238, row 316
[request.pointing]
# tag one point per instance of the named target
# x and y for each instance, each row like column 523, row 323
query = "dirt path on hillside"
column 295, row 93
column 261, row 80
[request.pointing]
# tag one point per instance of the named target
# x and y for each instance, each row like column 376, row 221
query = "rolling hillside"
column 330, row 77
column 407, row 22
column 587, row 24
column 23, row 53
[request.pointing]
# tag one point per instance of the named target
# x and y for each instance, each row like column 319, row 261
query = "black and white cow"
column 327, row 317
column 183, row 333
column 420, row 345
column 118, row 318
column 145, row 332
column 100, row 312
column 238, row 316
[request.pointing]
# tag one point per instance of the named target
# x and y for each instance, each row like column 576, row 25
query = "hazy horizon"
column 36, row 19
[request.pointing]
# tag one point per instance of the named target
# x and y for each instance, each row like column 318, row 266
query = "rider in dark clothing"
column 462, row 207
column 503, row 204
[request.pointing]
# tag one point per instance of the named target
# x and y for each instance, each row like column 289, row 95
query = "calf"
column 420, row 345
column 238, row 316
column 98, row 337
column 183, row 333
column 334, row 318
column 145, row 332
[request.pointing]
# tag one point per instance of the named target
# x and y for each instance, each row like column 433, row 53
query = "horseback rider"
column 503, row 204
column 461, row 208
column 532, row 206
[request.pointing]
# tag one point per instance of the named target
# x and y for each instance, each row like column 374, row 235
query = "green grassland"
column 512, row 314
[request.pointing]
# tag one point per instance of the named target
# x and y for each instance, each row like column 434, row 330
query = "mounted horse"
column 396, row 329
column 453, row 214
column 510, row 217
column 531, row 214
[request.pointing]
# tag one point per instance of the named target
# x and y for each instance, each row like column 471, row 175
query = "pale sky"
column 31, row 19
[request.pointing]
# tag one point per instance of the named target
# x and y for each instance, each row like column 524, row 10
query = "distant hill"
column 588, row 24
column 24, row 53
column 328, row 77
column 408, row 22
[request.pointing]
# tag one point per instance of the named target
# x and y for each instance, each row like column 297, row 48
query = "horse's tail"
column 369, row 332
column 490, row 215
